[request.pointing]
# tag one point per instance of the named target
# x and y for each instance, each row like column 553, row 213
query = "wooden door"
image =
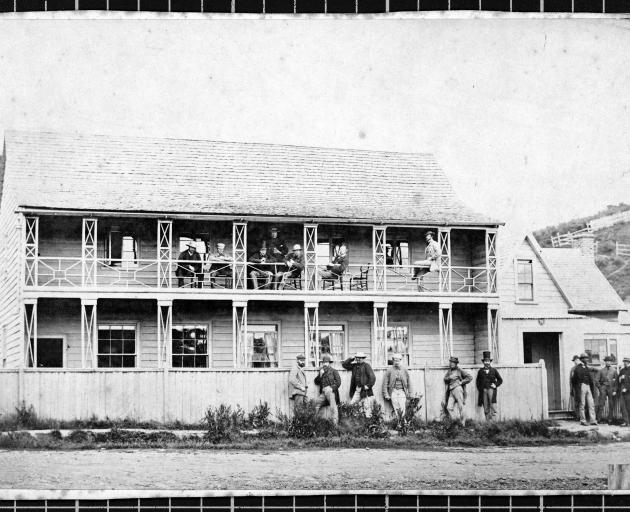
column 545, row 345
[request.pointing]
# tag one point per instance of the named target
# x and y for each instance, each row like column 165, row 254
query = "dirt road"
column 542, row 467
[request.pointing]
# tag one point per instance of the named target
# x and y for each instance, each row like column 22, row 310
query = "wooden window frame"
column 346, row 341
column 137, row 352
column 208, row 327
column 517, row 298
column 608, row 338
column 409, row 341
column 278, row 325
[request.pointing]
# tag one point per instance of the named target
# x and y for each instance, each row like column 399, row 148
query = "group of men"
column 593, row 389
column 397, row 387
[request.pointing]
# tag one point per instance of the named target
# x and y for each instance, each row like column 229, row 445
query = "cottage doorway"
column 49, row 352
column 546, row 346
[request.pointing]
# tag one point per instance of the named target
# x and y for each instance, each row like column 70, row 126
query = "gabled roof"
column 130, row 174
column 581, row 281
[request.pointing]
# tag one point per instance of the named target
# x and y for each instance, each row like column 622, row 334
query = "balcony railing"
column 66, row 272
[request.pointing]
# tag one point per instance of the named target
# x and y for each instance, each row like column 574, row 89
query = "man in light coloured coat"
column 430, row 263
column 397, row 386
column 607, row 384
column 297, row 381
column 456, row 380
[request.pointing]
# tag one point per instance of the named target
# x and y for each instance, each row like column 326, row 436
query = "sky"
column 529, row 118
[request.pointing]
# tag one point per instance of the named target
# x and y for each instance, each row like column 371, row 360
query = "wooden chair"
column 359, row 282
column 294, row 283
column 331, row 283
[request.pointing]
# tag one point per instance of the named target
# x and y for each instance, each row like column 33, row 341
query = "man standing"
column 297, row 382
column 488, row 380
column 329, row 381
column 397, row 386
column 624, row 391
column 456, row 380
column 583, row 380
column 189, row 265
column 430, row 263
column 362, row 381
column 607, row 384
column 276, row 247
column 575, row 390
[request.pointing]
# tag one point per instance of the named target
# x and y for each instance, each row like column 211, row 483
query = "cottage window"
column 598, row 347
column 122, row 249
column 332, row 340
column 190, row 346
column 525, row 280
column 398, row 342
column 116, row 346
column 262, row 346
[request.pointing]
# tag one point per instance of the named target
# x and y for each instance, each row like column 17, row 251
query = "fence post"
column 618, row 476
column 543, row 390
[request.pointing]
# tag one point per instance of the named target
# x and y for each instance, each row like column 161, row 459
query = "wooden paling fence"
column 166, row 395
column 622, row 249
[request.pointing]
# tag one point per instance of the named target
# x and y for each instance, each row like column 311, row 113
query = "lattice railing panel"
column 239, row 332
column 491, row 260
column 89, row 334
column 379, row 350
column 444, row 241
column 30, row 334
column 310, row 256
column 165, row 333
column 89, row 251
column 311, row 332
column 446, row 332
column 164, row 253
column 239, row 248
column 380, row 257
column 31, row 250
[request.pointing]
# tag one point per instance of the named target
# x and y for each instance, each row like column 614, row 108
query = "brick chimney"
column 585, row 242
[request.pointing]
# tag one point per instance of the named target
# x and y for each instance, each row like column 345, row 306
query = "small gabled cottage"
column 132, row 278
column 555, row 303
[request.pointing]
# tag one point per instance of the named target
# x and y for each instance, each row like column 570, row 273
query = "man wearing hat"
column 397, row 386
column 362, row 381
column 297, row 381
column 257, row 272
column 575, row 391
column 456, row 380
column 430, row 263
column 583, row 380
column 606, row 382
column 276, row 247
column 329, row 381
column 488, row 380
column 624, row 390
column 294, row 263
column 189, row 266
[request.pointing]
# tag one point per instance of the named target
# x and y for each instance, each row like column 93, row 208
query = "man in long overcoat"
column 488, row 380
column 362, row 381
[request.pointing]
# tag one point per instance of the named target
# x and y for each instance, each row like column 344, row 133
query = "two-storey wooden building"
column 93, row 226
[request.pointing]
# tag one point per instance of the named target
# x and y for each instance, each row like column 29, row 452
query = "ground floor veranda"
column 197, row 334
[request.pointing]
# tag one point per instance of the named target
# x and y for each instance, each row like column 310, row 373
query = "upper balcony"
column 151, row 255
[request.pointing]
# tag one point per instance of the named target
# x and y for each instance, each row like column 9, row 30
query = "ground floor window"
column 116, row 346
column 262, row 346
column 190, row 346
column 48, row 352
column 398, row 342
column 599, row 346
column 332, row 340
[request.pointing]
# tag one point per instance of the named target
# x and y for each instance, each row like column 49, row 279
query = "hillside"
column 615, row 268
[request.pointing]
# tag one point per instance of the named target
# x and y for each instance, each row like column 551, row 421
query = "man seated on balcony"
column 220, row 265
column 261, row 271
column 430, row 263
column 276, row 247
column 338, row 265
column 294, row 263
column 189, row 266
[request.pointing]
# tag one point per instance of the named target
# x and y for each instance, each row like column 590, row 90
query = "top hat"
column 486, row 356
column 453, row 359
column 608, row 358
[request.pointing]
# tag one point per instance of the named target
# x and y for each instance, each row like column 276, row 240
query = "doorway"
column 50, row 352
column 546, row 346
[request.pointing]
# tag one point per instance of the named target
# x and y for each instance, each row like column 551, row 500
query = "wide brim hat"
column 575, row 357
column 432, row 233
column 583, row 355
column 297, row 247
column 301, row 356
column 608, row 358
column 191, row 245
column 360, row 355
column 626, row 359
column 453, row 360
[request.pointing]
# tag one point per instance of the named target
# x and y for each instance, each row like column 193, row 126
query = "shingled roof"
column 583, row 284
column 130, row 174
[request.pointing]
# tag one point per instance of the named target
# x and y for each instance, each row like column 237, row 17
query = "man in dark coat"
column 606, row 382
column 338, row 265
column 575, row 390
column 276, row 247
column 488, row 380
column 362, row 381
column 189, row 266
column 329, row 381
column 624, row 391
column 294, row 265
column 583, row 380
